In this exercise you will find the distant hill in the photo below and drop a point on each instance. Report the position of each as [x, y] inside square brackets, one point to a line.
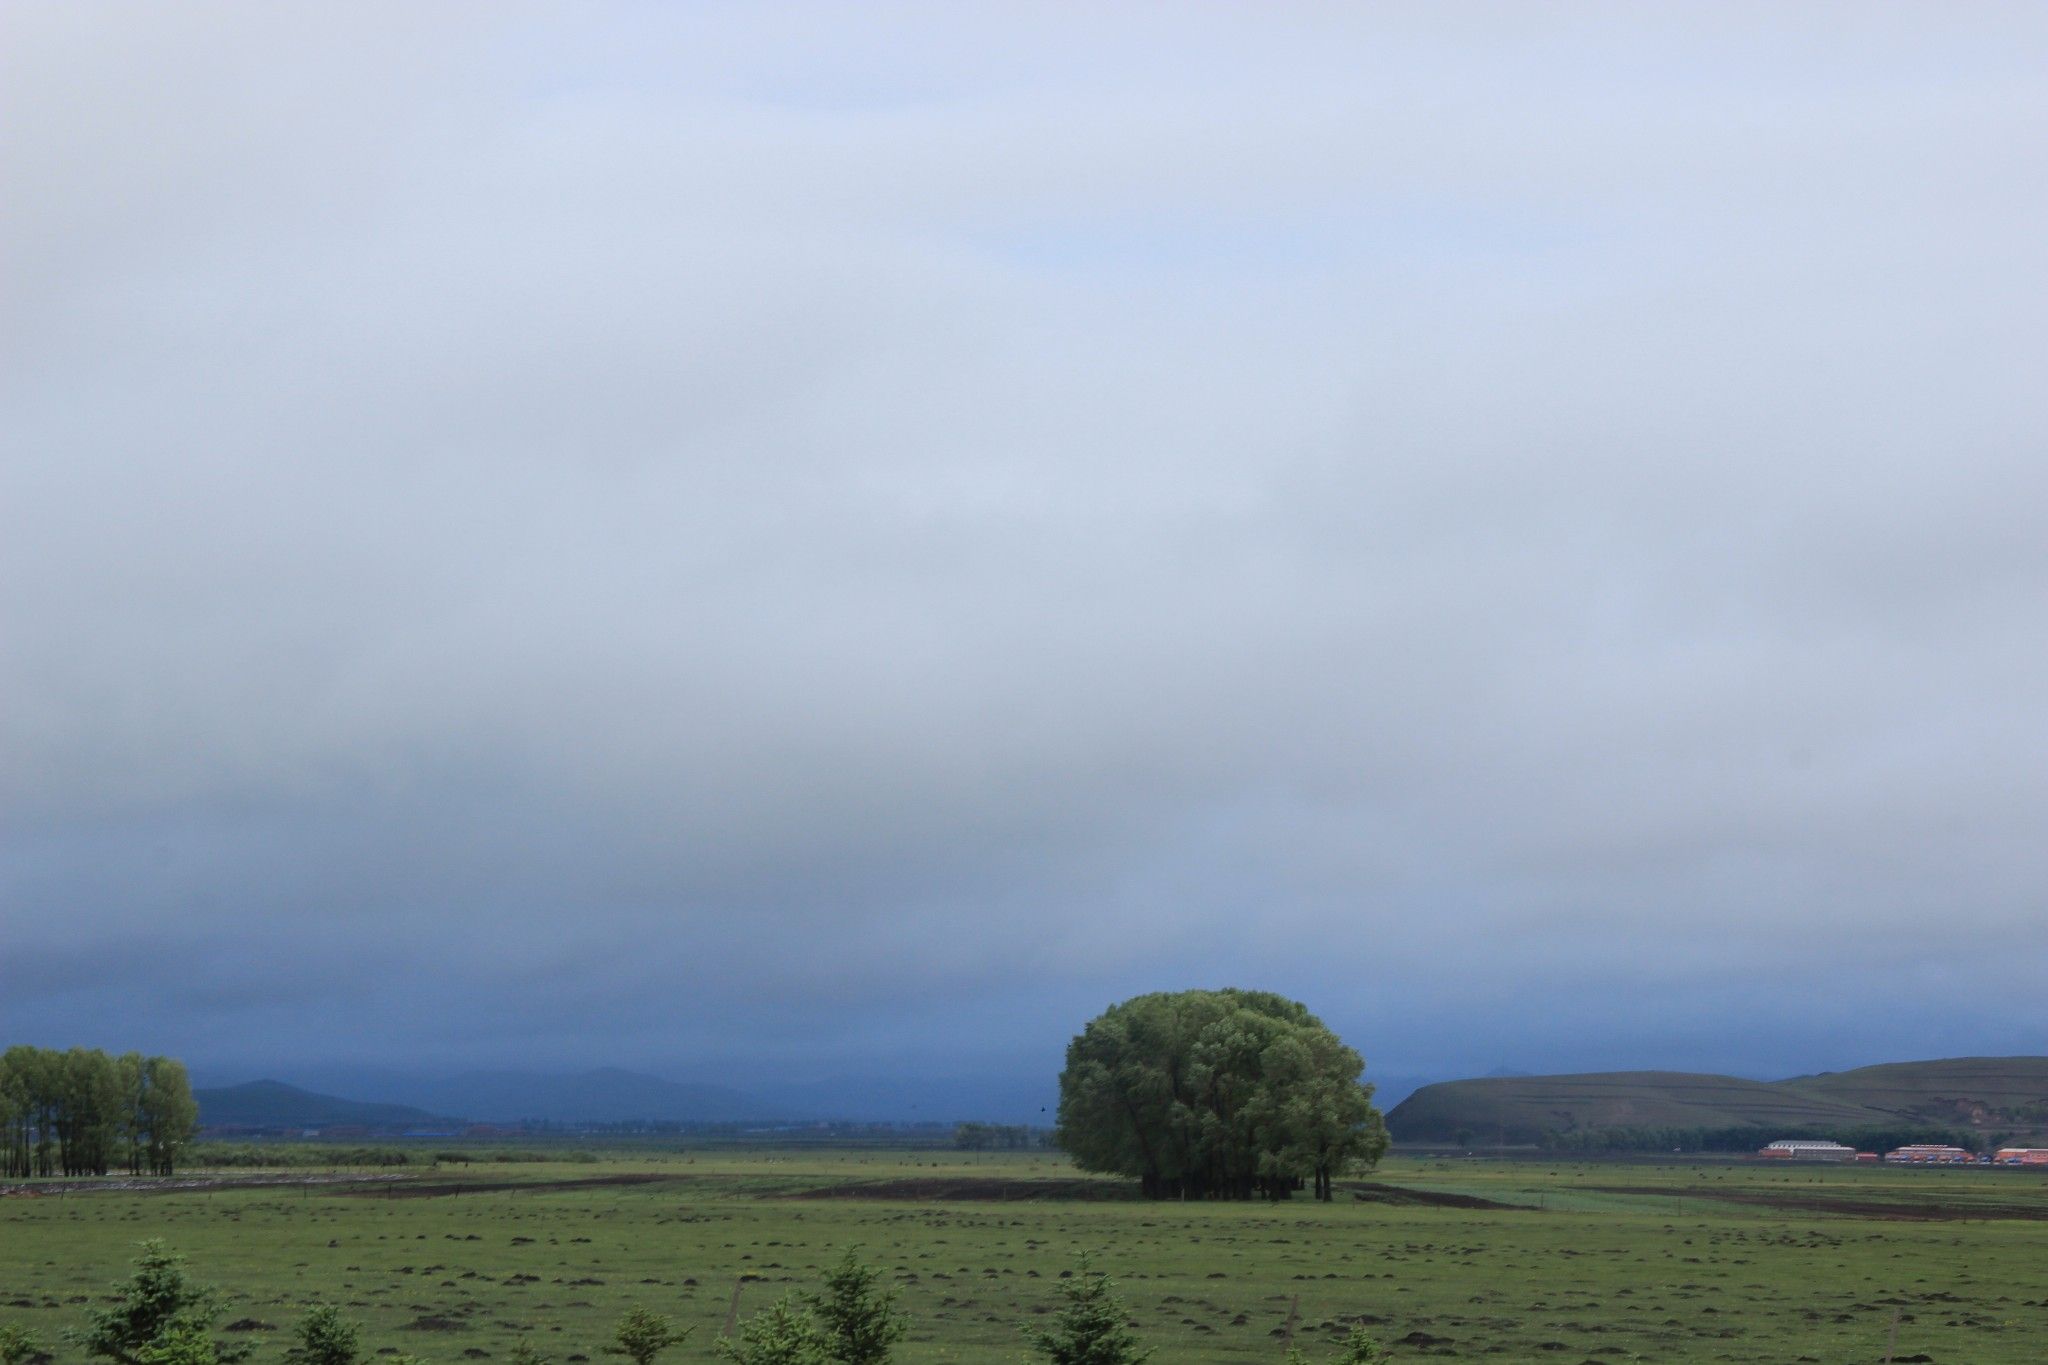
[1977, 1092]
[1390, 1088]
[273, 1104]
[1524, 1106]
[1984, 1094]
[995, 1097]
[607, 1095]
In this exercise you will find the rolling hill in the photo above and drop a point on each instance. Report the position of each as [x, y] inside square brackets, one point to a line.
[1523, 1106]
[275, 1105]
[604, 1095]
[1987, 1095]
[1979, 1092]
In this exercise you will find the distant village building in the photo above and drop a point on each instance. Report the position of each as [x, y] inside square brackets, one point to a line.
[1929, 1154]
[1790, 1149]
[2021, 1156]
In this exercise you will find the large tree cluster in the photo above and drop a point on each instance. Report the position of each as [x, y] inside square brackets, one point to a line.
[83, 1112]
[1222, 1094]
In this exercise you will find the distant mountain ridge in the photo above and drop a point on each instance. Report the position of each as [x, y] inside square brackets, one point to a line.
[603, 1095]
[616, 1095]
[275, 1105]
[1989, 1095]
[994, 1097]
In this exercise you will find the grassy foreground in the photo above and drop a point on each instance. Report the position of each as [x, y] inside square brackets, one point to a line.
[1598, 1262]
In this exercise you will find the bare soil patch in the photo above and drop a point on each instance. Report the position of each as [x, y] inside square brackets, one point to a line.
[386, 1185]
[971, 1188]
[995, 1189]
[1371, 1191]
[423, 1189]
[435, 1322]
[1854, 1208]
[185, 1184]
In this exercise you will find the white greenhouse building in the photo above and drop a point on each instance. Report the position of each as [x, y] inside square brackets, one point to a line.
[1792, 1150]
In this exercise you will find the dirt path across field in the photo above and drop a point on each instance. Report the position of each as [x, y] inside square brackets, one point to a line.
[1373, 1192]
[1853, 1208]
[973, 1189]
[389, 1184]
[969, 1188]
[186, 1184]
[916, 1189]
[421, 1189]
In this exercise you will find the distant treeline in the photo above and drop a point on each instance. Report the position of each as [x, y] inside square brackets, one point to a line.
[992, 1137]
[83, 1112]
[732, 1131]
[1747, 1138]
[326, 1155]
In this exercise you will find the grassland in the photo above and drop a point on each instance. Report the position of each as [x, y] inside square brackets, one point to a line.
[1514, 1261]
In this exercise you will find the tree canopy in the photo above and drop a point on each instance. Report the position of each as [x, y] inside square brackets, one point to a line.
[81, 1112]
[1217, 1094]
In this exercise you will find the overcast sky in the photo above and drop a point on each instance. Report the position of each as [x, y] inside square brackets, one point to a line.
[748, 540]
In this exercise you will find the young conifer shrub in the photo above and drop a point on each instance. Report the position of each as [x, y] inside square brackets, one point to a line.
[783, 1333]
[324, 1337]
[158, 1318]
[858, 1317]
[642, 1335]
[1357, 1348]
[18, 1345]
[1094, 1327]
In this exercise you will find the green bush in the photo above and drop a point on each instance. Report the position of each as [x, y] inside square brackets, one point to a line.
[324, 1337]
[784, 1333]
[18, 1345]
[158, 1317]
[642, 1335]
[1093, 1328]
[858, 1318]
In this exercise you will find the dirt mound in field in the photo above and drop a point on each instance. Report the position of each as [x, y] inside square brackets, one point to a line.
[435, 1322]
[978, 1188]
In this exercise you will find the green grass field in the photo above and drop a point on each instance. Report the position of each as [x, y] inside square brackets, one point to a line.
[1607, 1262]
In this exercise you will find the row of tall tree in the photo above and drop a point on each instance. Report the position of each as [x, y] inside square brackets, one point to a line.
[84, 1112]
[1224, 1094]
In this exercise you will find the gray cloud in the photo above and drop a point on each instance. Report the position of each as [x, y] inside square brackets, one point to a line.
[681, 533]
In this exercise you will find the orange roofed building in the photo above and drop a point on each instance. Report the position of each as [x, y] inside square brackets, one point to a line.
[2022, 1156]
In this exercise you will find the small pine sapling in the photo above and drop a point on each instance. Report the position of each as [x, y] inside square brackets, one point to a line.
[783, 1333]
[1093, 1328]
[157, 1310]
[642, 1335]
[324, 1337]
[19, 1346]
[1357, 1348]
[858, 1317]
